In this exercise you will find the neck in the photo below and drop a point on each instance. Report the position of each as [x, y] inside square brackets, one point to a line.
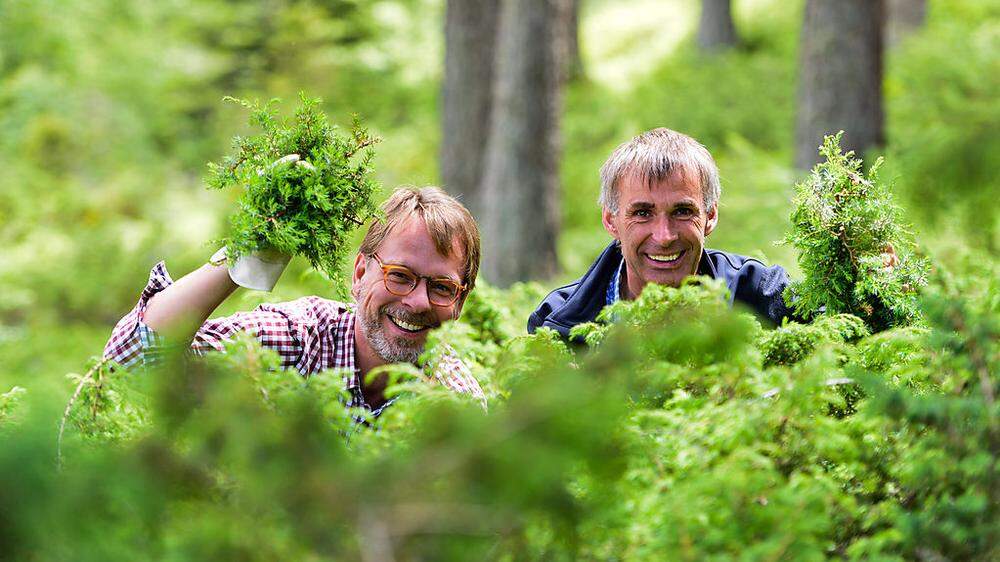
[625, 289]
[366, 360]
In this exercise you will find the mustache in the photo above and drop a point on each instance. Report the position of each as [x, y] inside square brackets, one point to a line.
[425, 319]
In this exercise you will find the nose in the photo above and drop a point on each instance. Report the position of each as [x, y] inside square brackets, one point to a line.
[417, 299]
[663, 232]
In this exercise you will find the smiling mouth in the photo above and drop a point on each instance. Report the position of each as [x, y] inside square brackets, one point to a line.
[666, 259]
[407, 326]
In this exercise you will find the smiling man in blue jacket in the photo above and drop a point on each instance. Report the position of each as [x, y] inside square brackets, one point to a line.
[660, 199]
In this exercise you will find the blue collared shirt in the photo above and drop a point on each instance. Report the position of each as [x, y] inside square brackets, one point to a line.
[614, 288]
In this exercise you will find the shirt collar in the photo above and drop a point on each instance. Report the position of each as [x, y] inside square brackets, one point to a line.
[615, 287]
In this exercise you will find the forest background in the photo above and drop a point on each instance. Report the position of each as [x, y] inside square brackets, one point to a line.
[109, 111]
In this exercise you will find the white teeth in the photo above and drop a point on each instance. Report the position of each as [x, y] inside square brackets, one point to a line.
[671, 257]
[406, 325]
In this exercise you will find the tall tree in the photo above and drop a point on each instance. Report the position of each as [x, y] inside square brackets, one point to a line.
[715, 27]
[520, 182]
[570, 13]
[902, 18]
[840, 76]
[467, 96]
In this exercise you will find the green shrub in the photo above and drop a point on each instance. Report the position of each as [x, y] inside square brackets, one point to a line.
[843, 222]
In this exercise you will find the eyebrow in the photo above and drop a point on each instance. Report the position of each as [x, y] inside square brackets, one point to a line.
[411, 270]
[640, 205]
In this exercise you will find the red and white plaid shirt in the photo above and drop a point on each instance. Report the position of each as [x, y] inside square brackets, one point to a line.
[310, 334]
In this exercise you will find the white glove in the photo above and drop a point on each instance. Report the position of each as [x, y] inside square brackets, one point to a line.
[259, 271]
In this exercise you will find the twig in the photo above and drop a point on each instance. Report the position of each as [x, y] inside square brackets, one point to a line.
[69, 407]
[362, 144]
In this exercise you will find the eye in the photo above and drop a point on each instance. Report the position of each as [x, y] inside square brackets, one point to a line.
[399, 276]
[642, 213]
[684, 212]
[444, 288]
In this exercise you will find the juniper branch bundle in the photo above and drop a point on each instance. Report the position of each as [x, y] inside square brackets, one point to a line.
[842, 223]
[306, 204]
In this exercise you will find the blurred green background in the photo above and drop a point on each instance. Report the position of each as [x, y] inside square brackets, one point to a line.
[110, 109]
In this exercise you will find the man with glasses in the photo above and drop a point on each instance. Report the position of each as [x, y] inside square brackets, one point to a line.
[413, 271]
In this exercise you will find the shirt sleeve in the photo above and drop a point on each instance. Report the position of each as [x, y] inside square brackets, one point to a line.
[287, 328]
[131, 337]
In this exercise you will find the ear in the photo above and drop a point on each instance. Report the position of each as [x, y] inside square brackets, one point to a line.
[360, 265]
[609, 225]
[712, 219]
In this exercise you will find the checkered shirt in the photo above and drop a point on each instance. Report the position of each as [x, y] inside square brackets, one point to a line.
[310, 334]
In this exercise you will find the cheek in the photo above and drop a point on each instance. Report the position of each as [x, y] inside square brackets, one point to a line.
[371, 298]
[633, 235]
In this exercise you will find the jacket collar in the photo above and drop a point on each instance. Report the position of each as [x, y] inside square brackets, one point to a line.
[591, 291]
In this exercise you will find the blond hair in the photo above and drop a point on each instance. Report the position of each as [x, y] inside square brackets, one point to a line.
[447, 220]
[654, 155]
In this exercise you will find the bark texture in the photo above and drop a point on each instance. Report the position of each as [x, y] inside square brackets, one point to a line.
[520, 183]
[716, 31]
[570, 13]
[903, 17]
[840, 77]
[470, 40]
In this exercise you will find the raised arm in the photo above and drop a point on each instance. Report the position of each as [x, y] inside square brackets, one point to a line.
[178, 311]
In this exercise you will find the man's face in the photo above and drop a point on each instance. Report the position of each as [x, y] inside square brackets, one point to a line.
[395, 327]
[662, 227]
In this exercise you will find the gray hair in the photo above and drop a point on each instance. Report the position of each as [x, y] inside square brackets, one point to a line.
[653, 156]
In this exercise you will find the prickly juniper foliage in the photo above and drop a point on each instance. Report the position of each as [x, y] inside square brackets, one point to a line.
[842, 223]
[306, 204]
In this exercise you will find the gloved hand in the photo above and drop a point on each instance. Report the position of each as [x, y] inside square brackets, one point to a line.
[261, 270]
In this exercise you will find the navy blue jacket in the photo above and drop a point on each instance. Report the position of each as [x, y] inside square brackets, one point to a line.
[749, 281]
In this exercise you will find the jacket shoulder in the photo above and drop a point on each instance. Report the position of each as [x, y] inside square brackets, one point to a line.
[754, 283]
[554, 300]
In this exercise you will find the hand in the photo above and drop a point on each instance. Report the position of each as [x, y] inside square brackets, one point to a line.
[889, 258]
[259, 271]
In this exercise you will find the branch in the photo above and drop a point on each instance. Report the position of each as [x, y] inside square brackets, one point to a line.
[69, 407]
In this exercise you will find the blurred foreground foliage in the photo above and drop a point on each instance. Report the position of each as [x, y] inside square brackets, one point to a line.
[689, 432]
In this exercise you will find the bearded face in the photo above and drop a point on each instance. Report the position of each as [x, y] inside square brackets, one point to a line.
[395, 334]
[392, 326]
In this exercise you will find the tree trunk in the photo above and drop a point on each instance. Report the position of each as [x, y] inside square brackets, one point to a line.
[520, 183]
[467, 93]
[840, 77]
[570, 14]
[902, 18]
[716, 31]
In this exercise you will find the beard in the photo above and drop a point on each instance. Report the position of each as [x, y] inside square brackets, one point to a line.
[389, 348]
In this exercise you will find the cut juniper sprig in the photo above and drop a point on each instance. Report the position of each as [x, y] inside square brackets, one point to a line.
[842, 223]
[305, 184]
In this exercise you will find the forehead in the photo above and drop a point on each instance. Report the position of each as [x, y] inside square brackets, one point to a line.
[677, 185]
[410, 243]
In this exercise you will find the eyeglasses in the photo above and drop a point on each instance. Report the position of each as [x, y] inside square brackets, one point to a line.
[401, 281]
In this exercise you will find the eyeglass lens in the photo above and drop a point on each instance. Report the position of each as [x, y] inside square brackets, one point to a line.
[401, 281]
